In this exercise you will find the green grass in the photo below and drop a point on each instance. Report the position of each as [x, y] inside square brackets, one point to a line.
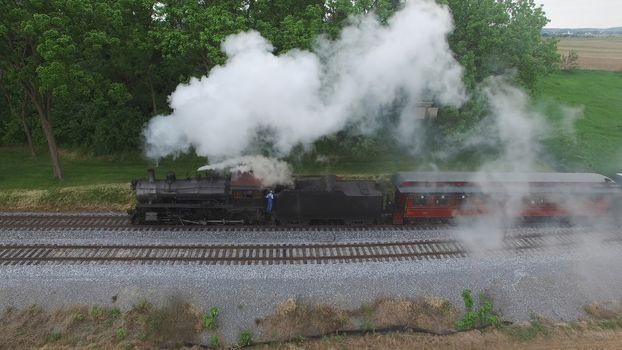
[19, 171]
[371, 166]
[597, 144]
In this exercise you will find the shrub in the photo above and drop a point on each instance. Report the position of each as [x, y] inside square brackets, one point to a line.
[114, 313]
[142, 305]
[245, 338]
[525, 333]
[483, 317]
[214, 340]
[98, 312]
[54, 336]
[122, 332]
[209, 319]
[569, 61]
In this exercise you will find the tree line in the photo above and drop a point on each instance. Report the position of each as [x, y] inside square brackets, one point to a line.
[89, 74]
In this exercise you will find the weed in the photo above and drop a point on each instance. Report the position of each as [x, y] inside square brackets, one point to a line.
[368, 315]
[300, 339]
[475, 319]
[114, 313]
[468, 299]
[122, 332]
[34, 310]
[600, 312]
[214, 341]
[54, 336]
[209, 319]
[615, 323]
[97, 312]
[446, 308]
[525, 333]
[142, 305]
[245, 338]
[154, 323]
[343, 320]
[336, 337]
[79, 317]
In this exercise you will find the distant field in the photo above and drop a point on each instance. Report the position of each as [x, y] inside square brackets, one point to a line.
[597, 144]
[595, 53]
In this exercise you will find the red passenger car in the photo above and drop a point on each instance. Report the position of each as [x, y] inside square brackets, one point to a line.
[423, 196]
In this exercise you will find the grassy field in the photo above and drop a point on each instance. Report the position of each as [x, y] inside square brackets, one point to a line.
[19, 170]
[91, 183]
[595, 53]
[597, 144]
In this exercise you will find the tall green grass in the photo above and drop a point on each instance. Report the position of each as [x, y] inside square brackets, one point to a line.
[597, 142]
[19, 171]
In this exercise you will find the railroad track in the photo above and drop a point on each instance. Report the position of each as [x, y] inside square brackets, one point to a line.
[47, 221]
[261, 254]
[63, 221]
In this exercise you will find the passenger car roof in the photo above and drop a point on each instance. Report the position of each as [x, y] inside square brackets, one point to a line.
[472, 177]
[464, 182]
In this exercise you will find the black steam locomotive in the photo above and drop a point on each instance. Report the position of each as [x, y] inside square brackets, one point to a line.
[240, 198]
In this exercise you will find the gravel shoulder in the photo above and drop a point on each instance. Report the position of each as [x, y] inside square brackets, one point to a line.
[555, 285]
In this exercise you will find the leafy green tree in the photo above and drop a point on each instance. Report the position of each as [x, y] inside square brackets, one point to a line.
[16, 115]
[496, 37]
[492, 37]
[32, 43]
[189, 33]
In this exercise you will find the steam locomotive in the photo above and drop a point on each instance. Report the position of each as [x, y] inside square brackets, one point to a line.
[411, 197]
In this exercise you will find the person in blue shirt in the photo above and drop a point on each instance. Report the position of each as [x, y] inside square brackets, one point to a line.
[270, 198]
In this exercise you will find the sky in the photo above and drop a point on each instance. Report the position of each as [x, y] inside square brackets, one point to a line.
[583, 13]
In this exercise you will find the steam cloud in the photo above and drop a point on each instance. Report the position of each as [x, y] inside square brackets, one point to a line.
[270, 171]
[516, 129]
[258, 98]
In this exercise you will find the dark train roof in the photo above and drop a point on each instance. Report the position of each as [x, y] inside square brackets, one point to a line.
[471, 181]
[330, 183]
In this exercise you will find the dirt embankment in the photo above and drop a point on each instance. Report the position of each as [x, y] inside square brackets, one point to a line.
[97, 327]
[111, 197]
[384, 324]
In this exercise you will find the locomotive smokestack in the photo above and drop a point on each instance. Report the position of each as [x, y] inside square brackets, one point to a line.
[151, 175]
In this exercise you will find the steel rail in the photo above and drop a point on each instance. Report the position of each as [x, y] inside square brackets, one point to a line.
[231, 254]
[106, 221]
[248, 254]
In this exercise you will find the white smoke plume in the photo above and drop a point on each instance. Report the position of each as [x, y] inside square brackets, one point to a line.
[270, 171]
[300, 96]
[517, 129]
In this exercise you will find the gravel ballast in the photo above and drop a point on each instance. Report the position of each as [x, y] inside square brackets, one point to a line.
[556, 284]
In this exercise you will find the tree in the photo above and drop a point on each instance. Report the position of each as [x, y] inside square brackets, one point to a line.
[569, 61]
[492, 37]
[189, 33]
[26, 31]
[17, 103]
[496, 37]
